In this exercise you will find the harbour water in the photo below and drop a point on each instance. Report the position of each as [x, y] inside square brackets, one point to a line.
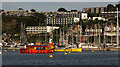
[84, 58]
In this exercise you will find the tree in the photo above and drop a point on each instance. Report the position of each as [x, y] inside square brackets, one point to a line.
[110, 7]
[27, 11]
[9, 27]
[61, 10]
[33, 10]
[73, 10]
[40, 17]
[20, 9]
[118, 5]
[93, 15]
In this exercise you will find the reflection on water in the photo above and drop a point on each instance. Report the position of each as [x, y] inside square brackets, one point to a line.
[84, 58]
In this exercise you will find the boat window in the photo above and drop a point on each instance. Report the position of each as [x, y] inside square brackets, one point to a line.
[30, 47]
[40, 48]
[23, 50]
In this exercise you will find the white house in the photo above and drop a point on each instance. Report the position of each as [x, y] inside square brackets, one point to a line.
[84, 16]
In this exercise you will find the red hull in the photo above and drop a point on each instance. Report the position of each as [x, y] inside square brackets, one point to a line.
[30, 51]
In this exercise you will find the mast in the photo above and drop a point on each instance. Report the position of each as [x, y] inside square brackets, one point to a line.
[95, 34]
[51, 35]
[72, 36]
[77, 35]
[21, 34]
[117, 28]
[81, 36]
[21, 37]
[24, 34]
[63, 34]
[45, 34]
[39, 31]
[60, 37]
[104, 36]
[111, 34]
[99, 35]
[66, 34]
[88, 34]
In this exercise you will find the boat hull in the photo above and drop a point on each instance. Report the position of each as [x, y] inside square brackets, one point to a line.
[30, 51]
[69, 50]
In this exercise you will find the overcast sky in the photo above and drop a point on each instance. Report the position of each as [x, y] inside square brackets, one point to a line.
[52, 6]
[59, 0]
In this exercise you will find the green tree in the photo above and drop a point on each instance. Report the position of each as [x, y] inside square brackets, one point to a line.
[20, 9]
[110, 7]
[27, 11]
[40, 17]
[93, 15]
[61, 10]
[73, 10]
[33, 10]
[118, 5]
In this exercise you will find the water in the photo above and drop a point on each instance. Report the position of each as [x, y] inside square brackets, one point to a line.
[83, 58]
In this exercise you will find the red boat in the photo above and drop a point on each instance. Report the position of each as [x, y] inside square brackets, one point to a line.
[38, 49]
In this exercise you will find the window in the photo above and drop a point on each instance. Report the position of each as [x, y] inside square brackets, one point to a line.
[99, 10]
[94, 10]
[40, 48]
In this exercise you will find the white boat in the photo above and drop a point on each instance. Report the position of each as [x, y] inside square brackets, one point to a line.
[88, 46]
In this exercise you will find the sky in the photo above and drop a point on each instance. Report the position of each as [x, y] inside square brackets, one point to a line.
[52, 6]
[59, 0]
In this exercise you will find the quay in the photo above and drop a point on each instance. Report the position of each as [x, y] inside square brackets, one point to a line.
[103, 49]
[10, 48]
[67, 50]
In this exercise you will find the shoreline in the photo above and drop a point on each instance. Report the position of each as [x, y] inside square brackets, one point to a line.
[83, 49]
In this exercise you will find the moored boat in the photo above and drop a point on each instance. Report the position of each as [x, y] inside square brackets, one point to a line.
[38, 49]
[68, 49]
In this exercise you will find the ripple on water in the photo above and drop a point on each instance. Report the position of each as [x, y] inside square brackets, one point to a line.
[74, 58]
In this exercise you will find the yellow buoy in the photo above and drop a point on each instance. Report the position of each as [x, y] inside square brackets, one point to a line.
[13, 50]
[0, 52]
[50, 55]
[5, 50]
[69, 52]
[93, 51]
[65, 53]
[98, 49]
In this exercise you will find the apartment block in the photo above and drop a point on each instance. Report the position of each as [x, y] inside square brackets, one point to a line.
[95, 9]
[40, 29]
[64, 17]
[109, 15]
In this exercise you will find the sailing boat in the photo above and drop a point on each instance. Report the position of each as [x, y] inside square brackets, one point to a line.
[69, 48]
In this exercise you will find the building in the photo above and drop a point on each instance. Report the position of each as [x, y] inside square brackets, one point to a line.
[41, 29]
[110, 31]
[99, 18]
[92, 33]
[95, 9]
[64, 17]
[109, 15]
